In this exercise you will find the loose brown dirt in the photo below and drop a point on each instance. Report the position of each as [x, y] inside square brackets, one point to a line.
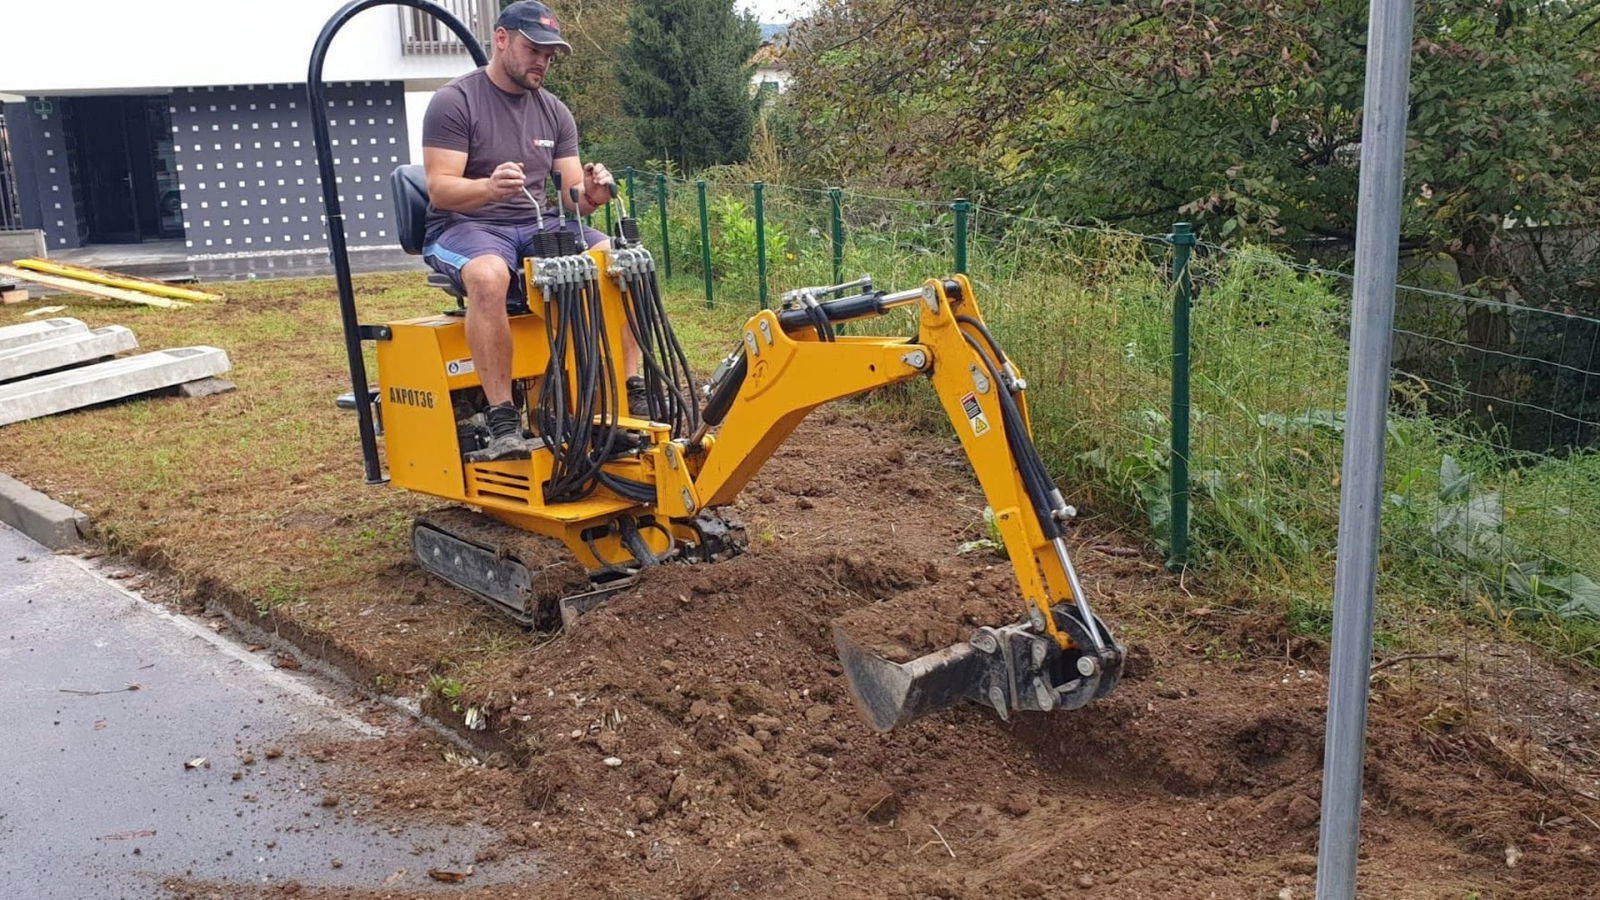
[744, 769]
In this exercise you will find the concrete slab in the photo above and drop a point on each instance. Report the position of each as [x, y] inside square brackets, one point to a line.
[103, 382]
[205, 387]
[42, 330]
[51, 523]
[21, 244]
[71, 349]
[169, 261]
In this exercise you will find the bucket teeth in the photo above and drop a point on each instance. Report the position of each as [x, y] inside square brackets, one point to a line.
[1010, 668]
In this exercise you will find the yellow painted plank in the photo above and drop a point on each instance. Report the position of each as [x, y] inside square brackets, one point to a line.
[94, 290]
[115, 279]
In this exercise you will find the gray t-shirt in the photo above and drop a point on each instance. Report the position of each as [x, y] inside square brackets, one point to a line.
[473, 116]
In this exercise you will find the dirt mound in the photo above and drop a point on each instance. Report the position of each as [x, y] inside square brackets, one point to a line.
[695, 738]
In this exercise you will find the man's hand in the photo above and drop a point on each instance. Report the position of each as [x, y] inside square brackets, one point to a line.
[598, 184]
[506, 181]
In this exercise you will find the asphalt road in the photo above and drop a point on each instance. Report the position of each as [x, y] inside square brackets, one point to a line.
[95, 797]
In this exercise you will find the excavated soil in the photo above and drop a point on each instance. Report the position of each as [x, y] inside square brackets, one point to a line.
[694, 737]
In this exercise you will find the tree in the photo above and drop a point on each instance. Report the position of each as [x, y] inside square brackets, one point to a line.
[1242, 114]
[685, 78]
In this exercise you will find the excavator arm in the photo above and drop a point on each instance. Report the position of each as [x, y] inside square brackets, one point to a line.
[793, 360]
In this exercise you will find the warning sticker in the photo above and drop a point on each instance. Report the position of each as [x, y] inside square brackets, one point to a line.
[459, 366]
[975, 416]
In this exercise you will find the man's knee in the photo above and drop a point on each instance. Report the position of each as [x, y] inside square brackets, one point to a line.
[486, 279]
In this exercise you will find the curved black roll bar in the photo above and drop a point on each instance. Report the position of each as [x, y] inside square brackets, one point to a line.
[354, 332]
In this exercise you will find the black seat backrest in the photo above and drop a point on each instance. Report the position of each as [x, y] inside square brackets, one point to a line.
[410, 188]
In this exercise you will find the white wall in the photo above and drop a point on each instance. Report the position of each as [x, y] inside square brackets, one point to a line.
[416, 105]
[95, 46]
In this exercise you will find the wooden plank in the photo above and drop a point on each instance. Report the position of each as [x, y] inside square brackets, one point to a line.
[94, 290]
[114, 279]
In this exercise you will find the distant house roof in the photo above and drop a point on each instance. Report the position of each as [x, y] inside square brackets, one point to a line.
[768, 55]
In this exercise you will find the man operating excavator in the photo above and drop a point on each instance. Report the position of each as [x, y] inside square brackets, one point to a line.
[489, 140]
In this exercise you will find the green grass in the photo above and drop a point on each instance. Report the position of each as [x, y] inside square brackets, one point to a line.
[1088, 317]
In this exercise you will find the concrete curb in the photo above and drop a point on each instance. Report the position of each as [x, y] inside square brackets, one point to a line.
[55, 525]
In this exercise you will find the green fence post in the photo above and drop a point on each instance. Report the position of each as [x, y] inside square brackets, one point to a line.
[666, 243]
[632, 201]
[962, 206]
[705, 241]
[836, 209]
[609, 229]
[1182, 239]
[761, 241]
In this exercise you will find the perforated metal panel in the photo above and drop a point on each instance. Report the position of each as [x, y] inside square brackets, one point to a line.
[247, 164]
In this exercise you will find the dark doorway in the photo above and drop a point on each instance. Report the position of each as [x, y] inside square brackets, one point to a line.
[125, 172]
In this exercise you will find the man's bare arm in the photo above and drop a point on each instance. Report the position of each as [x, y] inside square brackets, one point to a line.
[448, 188]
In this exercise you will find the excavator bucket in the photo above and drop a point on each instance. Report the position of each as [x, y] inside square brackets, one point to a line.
[1009, 668]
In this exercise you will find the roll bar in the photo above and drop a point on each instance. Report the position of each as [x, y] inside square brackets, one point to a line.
[354, 332]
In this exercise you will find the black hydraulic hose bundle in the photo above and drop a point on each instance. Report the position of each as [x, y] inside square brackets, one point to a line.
[577, 409]
[1035, 477]
[669, 383]
[567, 412]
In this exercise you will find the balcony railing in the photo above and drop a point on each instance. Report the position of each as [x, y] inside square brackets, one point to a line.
[10, 209]
[422, 34]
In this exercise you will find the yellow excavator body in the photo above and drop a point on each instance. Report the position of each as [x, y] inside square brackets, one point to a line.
[615, 493]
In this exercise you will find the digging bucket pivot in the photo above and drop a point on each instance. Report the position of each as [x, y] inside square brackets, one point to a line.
[1010, 668]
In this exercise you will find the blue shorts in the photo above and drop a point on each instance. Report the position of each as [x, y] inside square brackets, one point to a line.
[461, 242]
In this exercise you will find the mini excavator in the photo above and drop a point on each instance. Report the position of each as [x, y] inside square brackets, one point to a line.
[606, 495]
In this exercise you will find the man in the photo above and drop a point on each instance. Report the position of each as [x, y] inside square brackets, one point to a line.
[489, 138]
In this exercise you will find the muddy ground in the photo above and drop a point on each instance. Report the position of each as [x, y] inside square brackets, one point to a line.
[740, 767]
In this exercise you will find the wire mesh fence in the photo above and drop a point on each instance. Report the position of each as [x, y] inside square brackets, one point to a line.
[1492, 476]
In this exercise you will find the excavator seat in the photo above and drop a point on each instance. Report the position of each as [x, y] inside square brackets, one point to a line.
[410, 188]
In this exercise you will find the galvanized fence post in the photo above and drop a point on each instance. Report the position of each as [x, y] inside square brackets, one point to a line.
[1182, 239]
[962, 206]
[1379, 201]
[666, 242]
[836, 220]
[705, 241]
[761, 240]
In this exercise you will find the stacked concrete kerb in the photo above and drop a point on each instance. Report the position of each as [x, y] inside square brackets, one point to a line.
[50, 522]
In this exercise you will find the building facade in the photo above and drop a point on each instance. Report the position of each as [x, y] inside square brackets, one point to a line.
[212, 146]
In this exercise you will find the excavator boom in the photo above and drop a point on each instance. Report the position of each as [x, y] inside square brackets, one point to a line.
[793, 360]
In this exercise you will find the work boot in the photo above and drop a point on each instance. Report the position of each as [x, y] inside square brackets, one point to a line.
[638, 399]
[505, 436]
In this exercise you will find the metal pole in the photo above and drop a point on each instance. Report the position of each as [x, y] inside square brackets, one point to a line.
[835, 202]
[761, 241]
[705, 242]
[633, 199]
[666, 242]
[961, 206]
[1383, 136]
[354, 331]
[1182, 238]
